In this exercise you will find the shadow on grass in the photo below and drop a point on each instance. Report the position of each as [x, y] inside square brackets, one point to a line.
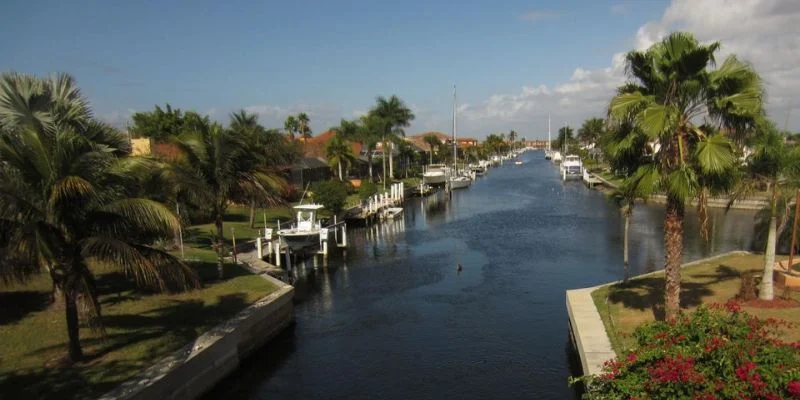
[648, 293]
[177, 323]
[17, 305]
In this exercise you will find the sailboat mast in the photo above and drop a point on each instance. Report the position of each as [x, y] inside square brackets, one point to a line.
[455, 149]
[548, 132]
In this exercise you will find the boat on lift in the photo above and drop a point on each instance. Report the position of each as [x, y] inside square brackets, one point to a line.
[305, 232]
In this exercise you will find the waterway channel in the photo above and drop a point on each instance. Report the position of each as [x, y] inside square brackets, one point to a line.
[395, 319]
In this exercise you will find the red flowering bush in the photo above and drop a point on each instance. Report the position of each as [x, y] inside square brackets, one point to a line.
[718, 352]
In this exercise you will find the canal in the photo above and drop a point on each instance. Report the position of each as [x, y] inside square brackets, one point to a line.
[395, 319]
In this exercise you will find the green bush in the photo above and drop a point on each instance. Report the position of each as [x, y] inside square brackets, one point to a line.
[331, 194]
[712, 353]
[367, 189]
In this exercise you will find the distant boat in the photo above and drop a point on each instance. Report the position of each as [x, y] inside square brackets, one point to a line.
[307, 229]
[518, 162]
[556, 157]
[571, 168]
[460, 182]
[435, 174]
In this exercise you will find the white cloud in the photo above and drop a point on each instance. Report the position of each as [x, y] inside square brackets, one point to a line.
[765, 33]
[618, 9]
[536, 16]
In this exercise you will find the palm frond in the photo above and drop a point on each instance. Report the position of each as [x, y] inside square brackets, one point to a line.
[714, 154]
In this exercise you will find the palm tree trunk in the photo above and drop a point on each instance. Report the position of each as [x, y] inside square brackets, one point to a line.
[765, 292]
[252, 214]
[220, 243]
[673, 249]
[340, 172]
[73, 324]
[383, 161]
[625, 244]
[431, 156]
[391, 161]
[370, 167]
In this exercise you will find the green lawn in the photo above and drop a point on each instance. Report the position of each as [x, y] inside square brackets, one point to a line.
[624, 307]
[141, 328]
[237, 220]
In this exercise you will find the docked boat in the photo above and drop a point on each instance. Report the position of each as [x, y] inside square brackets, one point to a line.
[556, 157]
[518, 162]
[478, 170]
[571, 168]
[305, 232]
[457, 181]
[436, 174]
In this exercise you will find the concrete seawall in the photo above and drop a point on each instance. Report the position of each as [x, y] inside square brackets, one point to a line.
[194, 369]
[586, 328]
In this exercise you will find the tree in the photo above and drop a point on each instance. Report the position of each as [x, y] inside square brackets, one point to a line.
[271, 150]
[291, 126]
[69, 201]
[369, 133]
[216, 166]
[433, 143]
[406, 153]
[512, 137]
[396, 116]
[672, 86]
[776, 166]
[495, 144]
[158, 124]
[339, 154]
[591, 130]
[303, 126]
[565, 137]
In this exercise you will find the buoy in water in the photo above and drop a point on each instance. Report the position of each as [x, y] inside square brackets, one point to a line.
[460, 267]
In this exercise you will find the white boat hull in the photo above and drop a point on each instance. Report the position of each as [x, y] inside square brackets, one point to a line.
[460, 183]
[434, 178]
[300, 240]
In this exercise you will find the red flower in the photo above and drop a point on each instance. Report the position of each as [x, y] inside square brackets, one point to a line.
[733, 306]
[794, 389]
[632, 357]
[743, 371]
[676, 369]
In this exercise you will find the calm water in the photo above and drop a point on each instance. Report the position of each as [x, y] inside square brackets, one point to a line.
[396, 320]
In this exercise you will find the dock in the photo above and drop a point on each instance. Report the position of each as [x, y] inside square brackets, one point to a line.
[590, 179]
[375, 206]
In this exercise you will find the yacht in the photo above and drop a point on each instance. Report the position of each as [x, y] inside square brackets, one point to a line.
[436, 174]
[571, 168]
[556, 158]
[307, 229]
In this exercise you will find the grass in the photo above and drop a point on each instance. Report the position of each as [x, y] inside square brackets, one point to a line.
[623, 307]
[238, 219]
[141, 328]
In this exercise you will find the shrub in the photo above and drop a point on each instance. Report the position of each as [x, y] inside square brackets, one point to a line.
[331, 194]
[366, 190]
[712, 353]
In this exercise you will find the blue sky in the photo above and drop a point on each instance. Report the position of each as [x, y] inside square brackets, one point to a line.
[327, 58]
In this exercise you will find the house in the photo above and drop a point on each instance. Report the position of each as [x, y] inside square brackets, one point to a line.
[309, 170]
[464, 143]
[140, 147]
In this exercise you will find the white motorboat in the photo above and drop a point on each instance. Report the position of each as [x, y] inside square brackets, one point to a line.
[556, 157]
[571, 168]
[306, 231]
[518, 162]
[436, 174]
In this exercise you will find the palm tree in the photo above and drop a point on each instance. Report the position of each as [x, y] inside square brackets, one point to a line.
[591, 130]
[407, 154]
[512, 137]
[672, 86]
[625, 198]
[339, 154]
[216, 166]
[271, 152]
[433, 143]
[69, 201]
[303, 126]
[564, 138]
[397, 116]
[776, 166]
[370, 130]
[291, 126]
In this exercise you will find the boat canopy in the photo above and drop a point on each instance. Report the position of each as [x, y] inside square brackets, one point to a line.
[309, 207]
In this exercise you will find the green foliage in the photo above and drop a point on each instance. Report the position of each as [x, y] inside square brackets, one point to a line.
[565, 137]
[331, 194]
[495, 144]
[713, 353]
[366, 190]
[163, 124]
[591, 130]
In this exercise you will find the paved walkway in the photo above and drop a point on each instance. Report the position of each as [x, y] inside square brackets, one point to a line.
[588, 331]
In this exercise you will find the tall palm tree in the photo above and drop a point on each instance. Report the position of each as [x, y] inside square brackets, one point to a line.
[776, 166]
[406, 153]
[397, 116]
[370, 130]
[591, 130]
[69, 201]
[433, 143]
[216, 166]
[291, 126]
[512, 137]
[303, 126]
[270, 153]
[672, 85]
[339, 154]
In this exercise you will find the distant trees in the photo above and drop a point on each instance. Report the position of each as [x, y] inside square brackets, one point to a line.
[339, 154]
[290, 127]
[396, 116]
[496, 144]
[591, 130]
[433, 143]
[564, 138]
